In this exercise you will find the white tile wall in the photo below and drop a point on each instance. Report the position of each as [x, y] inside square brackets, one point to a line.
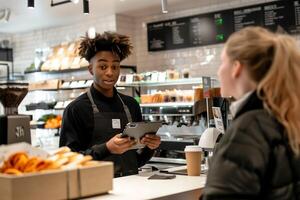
[125, 25]
[24, 44]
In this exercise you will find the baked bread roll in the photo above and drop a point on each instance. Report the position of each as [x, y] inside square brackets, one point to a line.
[19, 162]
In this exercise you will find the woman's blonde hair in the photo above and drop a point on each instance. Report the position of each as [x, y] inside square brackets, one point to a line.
[273, 62]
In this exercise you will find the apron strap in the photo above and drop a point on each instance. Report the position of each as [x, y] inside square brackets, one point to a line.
[128, 115]
[89, 94]
[96, 110]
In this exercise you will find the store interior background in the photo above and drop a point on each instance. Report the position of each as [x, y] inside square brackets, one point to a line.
[200, 60]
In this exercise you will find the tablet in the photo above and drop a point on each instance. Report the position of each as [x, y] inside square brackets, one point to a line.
[137, 130]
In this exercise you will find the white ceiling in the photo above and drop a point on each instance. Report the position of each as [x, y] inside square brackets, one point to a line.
[44, 16]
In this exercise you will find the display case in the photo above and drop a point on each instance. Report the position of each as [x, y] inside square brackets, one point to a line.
[178, 102]
[49, 94]
[183, 107]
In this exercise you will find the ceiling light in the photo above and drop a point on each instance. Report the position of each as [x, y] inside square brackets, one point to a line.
[57, 3]
[30, 3]
[92, 32]
[164, 6]
[86, 9]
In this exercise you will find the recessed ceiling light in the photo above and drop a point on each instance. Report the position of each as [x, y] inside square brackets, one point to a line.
[86, 7]
[75, 1]
[92, 32]
[164, 6]
[30, 3]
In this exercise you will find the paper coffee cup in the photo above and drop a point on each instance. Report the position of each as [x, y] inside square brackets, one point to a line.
[193, 155]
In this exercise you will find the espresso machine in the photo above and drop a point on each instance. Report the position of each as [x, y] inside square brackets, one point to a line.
[14, 128]
[184, 124]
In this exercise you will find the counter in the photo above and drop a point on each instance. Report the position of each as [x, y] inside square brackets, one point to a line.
[138, 187]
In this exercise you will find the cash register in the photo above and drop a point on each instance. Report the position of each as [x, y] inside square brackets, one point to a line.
[14, 128]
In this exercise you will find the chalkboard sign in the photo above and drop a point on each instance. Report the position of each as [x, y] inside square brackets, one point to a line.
[216, 27]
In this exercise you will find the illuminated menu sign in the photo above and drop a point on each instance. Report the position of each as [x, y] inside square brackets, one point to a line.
[278, 16]
[216, 27]
[295, 16]
[209, 29]
[251, 16]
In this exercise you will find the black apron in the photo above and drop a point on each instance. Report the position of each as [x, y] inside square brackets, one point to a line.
[126, 163]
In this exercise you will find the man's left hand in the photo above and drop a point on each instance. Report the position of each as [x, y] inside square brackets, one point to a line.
[151, 141]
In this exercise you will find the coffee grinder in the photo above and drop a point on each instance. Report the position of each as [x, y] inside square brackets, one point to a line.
[14, 128]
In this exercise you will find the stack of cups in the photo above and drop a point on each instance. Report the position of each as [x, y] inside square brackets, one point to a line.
[193, 155]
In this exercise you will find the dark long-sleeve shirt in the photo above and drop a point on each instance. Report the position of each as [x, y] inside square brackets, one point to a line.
[78, 124]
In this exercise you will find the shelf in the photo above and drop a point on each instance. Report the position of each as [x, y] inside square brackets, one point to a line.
[37, 127]
[45, 109]
[57, 71]
[40, 125]
[73, 70]
[189, 81]
[168, 109]
[168, 115]
[58, 89]
[168, 104]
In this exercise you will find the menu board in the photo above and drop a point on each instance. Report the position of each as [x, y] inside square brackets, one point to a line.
[209, 29]
[250, 16]
[295, 16]
[216, 27]
[157, 36]
[178, 33]
[277, 16]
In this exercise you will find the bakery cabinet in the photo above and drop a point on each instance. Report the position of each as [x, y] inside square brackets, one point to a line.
[183, 104]
[49, 94]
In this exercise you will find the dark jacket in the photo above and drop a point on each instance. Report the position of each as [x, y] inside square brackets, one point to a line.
[253, 160]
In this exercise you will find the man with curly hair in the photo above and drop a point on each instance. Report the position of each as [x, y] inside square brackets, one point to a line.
[92, 122]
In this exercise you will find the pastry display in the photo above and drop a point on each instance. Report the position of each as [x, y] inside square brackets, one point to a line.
[51, 120]
[42, 85]
[153, 76]
[168, 96]
[83, 62]
[64, 56]
[76, 63]
[20, 162]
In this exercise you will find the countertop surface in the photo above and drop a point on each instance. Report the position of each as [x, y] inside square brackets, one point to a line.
[140, 187]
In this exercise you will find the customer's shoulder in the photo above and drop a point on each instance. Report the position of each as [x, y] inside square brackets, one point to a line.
[256, 117]
[256, 121]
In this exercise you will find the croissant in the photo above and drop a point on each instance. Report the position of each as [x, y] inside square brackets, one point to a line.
[19, 163]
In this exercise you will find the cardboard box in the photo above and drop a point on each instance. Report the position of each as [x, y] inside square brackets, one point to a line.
[88, 181]
[58, 184]
[45, 186]
[54, 184]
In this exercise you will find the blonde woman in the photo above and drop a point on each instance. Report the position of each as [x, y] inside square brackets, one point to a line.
[258, 157]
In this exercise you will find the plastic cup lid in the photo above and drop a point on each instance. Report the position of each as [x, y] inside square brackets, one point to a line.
[193, 148]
